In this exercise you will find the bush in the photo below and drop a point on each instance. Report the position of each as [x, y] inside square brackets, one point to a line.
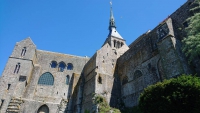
[104, 106]
[191, 44]
[177, 95]
[134, 109]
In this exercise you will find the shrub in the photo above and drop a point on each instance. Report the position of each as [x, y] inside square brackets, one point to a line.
[177, 95]
[103, 105]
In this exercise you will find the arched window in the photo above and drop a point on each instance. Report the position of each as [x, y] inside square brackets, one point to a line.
[61, 66]
[137, 74]
[69, 66]
[53, 64]
[43, 109]
[99, 80]
[17, 67]
[23, 51]
[67, 79]
[125, 80]
[46, 79]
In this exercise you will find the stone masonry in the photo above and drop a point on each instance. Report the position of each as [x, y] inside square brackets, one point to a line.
[38, 81]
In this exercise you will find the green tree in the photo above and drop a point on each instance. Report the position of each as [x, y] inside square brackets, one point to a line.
[177, 95]
[191, 46]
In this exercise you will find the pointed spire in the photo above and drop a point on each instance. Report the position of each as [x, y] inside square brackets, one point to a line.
[112, 27]
[112, 20]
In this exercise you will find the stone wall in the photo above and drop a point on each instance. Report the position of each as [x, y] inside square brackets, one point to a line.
[33, 63]
[156, 54]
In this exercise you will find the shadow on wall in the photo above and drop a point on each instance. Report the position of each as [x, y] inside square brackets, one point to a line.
[115, 100]
[75, 94]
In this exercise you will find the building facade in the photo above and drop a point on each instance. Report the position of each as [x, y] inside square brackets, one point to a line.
[37, 81]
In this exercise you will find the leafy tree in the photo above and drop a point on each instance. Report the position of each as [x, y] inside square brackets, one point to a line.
[177, 95]
[191, 45]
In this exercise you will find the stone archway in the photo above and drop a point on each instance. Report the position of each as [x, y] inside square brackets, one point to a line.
[43, 109]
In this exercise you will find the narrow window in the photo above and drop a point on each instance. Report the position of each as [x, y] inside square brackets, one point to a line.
[17, 67]
[8, 86]
[67, 79]
[23, 51]
[99, 80]
[114, 43]
[2, 101]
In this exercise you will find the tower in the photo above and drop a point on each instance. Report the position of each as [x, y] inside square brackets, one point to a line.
[99, 72]
[17, 73]
[114, 39]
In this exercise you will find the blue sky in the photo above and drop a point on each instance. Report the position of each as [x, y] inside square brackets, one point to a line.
[77, 27]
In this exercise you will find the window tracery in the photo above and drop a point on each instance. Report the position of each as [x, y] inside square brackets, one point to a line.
[46, 79]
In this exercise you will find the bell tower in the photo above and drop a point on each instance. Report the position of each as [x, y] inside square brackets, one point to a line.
[114, 39]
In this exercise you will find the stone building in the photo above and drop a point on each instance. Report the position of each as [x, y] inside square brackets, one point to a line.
[37, 81]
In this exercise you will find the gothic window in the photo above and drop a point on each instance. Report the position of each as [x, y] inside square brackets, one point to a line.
[23, 51]
[17, 67]
[46, 79]
[125, 80]
[53, 64]
[43, 109]
[61, 66]
[67, 79]
[99, 80]
[137, 74]
[69, 66]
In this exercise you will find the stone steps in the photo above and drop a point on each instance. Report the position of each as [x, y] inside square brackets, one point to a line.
[14, 105]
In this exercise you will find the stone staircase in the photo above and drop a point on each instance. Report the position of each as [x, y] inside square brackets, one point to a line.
[14, 105]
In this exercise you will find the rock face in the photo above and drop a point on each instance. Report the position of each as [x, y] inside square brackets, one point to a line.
[37, 81]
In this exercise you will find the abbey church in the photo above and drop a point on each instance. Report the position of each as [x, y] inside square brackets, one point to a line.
[38, 81]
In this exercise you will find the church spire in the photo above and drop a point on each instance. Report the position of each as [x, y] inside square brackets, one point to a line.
[112, 20]
[112, 27]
